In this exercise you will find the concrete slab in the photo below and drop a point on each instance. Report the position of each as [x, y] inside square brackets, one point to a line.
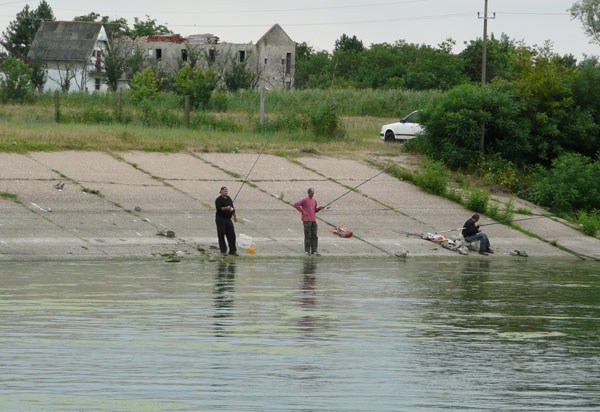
[93, 167]
[175, 166]
[17, 166]
[267, 167]
[177, 192]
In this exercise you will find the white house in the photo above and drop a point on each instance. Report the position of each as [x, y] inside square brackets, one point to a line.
[73, 54]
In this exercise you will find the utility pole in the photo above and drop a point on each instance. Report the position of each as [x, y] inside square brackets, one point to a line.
[484, 64]
[484, 48]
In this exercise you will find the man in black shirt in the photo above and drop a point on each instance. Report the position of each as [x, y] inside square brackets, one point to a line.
[472, 233]
[225, 228]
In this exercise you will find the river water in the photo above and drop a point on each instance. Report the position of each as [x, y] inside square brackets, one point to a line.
[301, 335]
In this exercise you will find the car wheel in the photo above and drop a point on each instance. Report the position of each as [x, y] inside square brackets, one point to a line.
[389, 136]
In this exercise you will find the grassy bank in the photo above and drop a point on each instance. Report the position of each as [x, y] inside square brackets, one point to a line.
[102, 122]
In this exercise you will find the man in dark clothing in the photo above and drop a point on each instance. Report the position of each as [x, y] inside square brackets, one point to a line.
[225, 228]
[472, 233]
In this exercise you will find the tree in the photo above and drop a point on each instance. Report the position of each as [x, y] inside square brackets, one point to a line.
[197, 84]
[114, 28]
[498, 53]
[16, 87]
[147, 28]
[313, 69]
[19, 35]
[588, 13]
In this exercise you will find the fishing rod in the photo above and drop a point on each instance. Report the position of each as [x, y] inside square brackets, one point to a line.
[248, 175]
[358, 185]
[498, 223]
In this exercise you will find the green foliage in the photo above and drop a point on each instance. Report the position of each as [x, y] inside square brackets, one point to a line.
[499, 55]
[147, 27]
[433, 177]
[478, 200]
[590, 222]
[197, 84]
[219, 102]
[325, 121]
[505, 215]
[587, 11]
[16, 87]
[20, 32]
[207, 122]
[454, 125]
[239, 76]
[571, 184]
[144, 85]
[498, 171]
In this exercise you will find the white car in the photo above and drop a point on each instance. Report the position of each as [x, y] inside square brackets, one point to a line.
[407, 128]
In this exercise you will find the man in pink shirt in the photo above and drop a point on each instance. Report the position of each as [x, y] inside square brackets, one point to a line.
[308, 208]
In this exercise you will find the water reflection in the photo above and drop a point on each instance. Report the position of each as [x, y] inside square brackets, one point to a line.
[223, 297]
[308, 295]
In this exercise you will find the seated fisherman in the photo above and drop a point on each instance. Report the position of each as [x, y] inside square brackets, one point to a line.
[472, 233]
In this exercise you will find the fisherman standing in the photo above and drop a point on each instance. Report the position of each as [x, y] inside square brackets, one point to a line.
[472, 232]
[225, 228]
[308, 209]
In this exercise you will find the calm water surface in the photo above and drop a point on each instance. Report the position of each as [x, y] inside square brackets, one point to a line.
[301, 335]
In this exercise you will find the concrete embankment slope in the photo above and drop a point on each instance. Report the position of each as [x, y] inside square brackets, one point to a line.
[116, 206]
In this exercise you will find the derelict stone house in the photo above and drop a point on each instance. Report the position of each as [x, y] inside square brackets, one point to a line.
[73, 54]
[272, 59]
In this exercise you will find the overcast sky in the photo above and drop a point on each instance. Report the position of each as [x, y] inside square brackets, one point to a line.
[320, 22]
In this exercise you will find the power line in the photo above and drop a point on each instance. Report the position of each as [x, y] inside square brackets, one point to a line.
[330, 23]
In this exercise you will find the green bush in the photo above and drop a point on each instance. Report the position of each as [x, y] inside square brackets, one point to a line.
[219, 102]
[570, 185]
[433, 177]
[325, 121]
[144, 86]
[505, 215]
[16, 86]
[478, 200]
[590, 222]
[454, 126]
[197, 84]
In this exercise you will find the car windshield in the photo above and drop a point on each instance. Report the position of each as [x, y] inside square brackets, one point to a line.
[412, 118]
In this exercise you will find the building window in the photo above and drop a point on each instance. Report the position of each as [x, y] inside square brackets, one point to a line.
[184, 55]
[242, 56]
[288, 63]
[211, 55]
[98, 83]
[158, 54]
[98, 61]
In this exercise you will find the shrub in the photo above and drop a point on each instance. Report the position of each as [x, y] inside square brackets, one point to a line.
[503, 216]
[16, 87]
[478, 200]
[325, 121]
[197, 84]
[454, 126]
[219, 102]
[433, 177]
[571, 184]
[590, 222]
[144, 85]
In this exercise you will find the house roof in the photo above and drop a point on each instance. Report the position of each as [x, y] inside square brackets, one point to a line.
[64, 40]
[276, 28]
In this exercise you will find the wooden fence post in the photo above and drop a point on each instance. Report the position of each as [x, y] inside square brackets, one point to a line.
[56, 106]
[120, 104]
[187, 111]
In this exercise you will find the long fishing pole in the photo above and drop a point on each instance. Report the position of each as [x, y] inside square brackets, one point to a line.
[499, 223]
[357, 186]
[248, 175]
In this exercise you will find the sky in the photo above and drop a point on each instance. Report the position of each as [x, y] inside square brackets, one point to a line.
[320, 23]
